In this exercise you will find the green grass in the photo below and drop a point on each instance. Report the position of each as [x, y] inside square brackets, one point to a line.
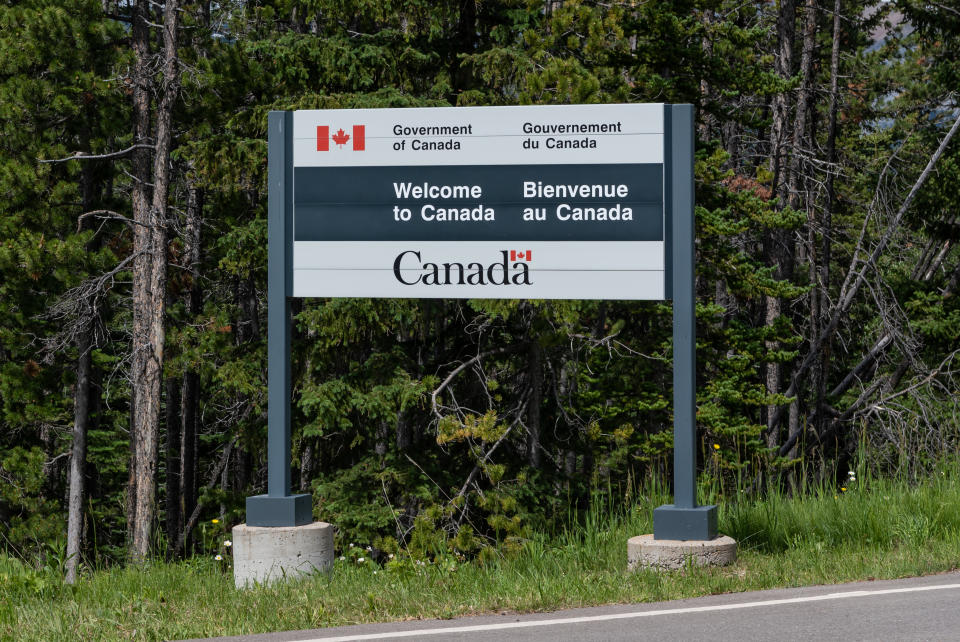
[879, 529]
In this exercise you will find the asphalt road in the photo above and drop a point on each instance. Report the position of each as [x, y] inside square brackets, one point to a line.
[925, 608]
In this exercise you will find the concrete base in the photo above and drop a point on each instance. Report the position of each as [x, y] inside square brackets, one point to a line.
[666, 554]
[266, 554]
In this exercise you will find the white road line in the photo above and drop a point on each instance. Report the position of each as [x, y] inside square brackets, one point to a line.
[624, 616]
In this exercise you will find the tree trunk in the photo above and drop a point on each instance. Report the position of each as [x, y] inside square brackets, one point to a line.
[797, 192]
[783, 65]
[778, 249]
[150, 275]
[140, 32]
[380, 440]
[81, 410]
[404, 437]
[190, 399]
[534, 455]
[827, 217]
[706, 120]
[804, 105]
[188, 446]
[78, 453]
[306, 467]
[174, 429]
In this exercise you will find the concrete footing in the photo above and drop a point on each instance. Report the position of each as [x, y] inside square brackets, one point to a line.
[665, 554]
[266, 554]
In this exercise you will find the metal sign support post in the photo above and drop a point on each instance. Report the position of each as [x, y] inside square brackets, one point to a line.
[278, 507]
[684, 519]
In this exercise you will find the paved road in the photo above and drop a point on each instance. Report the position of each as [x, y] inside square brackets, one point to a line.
[925, 608]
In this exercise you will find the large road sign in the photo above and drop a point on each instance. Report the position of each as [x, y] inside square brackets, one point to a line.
[558, 202]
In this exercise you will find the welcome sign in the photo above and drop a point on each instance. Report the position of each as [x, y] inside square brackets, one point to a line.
[559, 202]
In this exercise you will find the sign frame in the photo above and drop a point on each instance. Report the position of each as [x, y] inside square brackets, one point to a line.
[682, 520]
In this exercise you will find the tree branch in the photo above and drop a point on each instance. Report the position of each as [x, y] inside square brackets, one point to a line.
[852, 284]
[458, 370]
[195, 515]
[106, 215]
[83, 156]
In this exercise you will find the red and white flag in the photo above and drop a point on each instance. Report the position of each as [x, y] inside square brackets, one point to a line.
[521, 255]
[341, 138]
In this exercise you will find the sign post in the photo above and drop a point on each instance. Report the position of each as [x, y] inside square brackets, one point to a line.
[278, 507]
[684, 519]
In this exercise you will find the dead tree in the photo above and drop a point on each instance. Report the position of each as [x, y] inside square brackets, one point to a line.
[150, 267]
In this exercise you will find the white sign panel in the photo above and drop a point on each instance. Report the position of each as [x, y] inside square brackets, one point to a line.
[560, 202]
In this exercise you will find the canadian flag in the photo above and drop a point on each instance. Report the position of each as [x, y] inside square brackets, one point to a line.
[340, 138]
[521, 255]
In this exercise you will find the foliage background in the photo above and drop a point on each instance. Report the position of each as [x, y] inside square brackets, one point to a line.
[562, 403]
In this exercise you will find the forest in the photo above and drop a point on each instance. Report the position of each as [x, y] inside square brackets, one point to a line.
[133, 259]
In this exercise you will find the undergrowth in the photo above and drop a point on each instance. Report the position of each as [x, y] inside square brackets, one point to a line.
[870, 528]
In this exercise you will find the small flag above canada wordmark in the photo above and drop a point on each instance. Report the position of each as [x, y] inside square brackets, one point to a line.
[521, 255]
[341, 138]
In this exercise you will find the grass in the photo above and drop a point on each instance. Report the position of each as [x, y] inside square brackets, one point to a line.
[876, 529]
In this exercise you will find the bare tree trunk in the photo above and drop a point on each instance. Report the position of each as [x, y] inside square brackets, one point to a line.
[78, 453]
[778, 248]
[707, 121]
[535, 456]
[380, 442]
[149, 284]
[404, 437]
[243, 469]
[772, 371]
[783, 65]
[142, 83]
[306, 467]
[181, 542]
[172, 507]
[804, 105]
[190, 398]
[827, 222]
[81, 413]
[188, 445]
[803, 144]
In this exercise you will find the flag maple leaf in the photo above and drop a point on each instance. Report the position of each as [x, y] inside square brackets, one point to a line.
[341, 137]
